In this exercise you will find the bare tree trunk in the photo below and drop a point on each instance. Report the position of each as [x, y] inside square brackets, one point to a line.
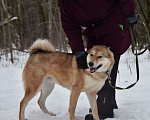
[9, 30]
[145, 15]
[50, 19]
[3, 27]
[42, 18]
[21, 24]
[148, 15]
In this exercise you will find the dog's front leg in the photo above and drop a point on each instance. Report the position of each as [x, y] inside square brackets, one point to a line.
[75, 92]
[92, 100]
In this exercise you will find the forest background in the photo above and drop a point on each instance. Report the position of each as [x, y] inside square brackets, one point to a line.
[23, 21]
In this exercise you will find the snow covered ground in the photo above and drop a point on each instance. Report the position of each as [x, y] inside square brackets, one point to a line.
[134, 104]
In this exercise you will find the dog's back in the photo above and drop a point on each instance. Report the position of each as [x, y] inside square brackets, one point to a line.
[45, 62]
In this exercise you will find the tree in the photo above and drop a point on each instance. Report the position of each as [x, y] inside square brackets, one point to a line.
[145, 15]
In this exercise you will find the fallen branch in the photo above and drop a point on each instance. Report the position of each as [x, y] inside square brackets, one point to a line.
[20, 50]
[8, 20]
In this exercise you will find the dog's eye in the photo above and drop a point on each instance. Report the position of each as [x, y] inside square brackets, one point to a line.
[99, 56]
[91, 55]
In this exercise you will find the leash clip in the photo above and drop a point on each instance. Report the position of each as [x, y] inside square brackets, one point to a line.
[108, 74]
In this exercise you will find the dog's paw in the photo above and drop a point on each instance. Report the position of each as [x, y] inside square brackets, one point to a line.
[52, 114]
[75, 119]
[25, 119]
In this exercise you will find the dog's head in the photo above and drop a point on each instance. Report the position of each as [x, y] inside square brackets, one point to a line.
[100, 59]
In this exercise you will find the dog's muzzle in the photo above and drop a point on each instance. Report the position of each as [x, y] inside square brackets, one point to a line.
[93, 69]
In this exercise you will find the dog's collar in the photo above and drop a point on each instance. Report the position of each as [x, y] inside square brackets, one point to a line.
[108, 72]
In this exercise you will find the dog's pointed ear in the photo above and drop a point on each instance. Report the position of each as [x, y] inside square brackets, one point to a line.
[108, 52]
[108, 49]
[88, 51]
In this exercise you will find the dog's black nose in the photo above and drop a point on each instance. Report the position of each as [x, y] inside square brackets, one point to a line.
[91, 64]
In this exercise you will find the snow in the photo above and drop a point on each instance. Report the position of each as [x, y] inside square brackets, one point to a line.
[134, 104]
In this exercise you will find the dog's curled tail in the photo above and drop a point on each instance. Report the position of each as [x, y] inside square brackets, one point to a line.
[41, 45]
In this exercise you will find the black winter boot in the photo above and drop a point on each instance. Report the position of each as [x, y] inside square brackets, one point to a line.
[101, 117]
[115, 107]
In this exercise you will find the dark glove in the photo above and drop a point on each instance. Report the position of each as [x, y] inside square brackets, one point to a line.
[81, 59]
[134, 19]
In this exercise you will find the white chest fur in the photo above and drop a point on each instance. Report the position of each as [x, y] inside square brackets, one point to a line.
[94, 81]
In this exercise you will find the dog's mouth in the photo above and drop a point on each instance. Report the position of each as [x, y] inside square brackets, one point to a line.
[92, 69]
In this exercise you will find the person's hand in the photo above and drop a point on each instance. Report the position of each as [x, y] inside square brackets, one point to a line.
[134, 19]
[81, 59]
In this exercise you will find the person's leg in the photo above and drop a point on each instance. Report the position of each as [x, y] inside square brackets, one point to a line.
[106, 96]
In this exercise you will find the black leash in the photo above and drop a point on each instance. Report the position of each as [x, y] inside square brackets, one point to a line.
[134, 51]
[130, 86]
[134, 43]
